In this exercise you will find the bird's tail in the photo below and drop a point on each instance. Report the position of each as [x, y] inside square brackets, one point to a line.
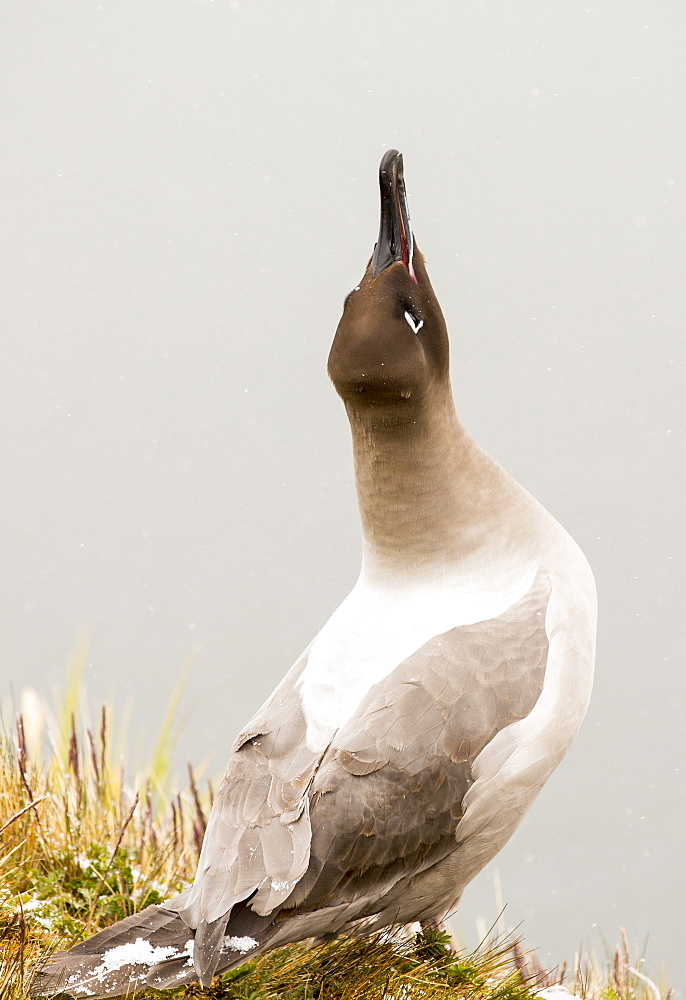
[152, 948]
[123, 958]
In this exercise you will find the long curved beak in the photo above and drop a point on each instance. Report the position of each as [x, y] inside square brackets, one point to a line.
[395, 242]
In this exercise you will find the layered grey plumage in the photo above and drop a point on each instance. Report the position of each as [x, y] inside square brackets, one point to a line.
[405, 745]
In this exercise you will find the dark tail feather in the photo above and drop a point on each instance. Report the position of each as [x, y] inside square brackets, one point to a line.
[153, 948]
[217, 947]
[118, 960]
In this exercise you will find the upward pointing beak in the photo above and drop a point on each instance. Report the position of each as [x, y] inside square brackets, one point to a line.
[395, 242]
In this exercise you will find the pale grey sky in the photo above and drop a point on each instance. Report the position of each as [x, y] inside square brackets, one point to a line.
[187, 192]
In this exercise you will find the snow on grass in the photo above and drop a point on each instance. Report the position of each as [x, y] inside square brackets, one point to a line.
[556, 992]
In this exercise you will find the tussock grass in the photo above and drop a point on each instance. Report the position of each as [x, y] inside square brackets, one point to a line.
[80, 848]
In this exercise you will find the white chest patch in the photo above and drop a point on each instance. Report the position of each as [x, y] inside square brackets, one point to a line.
[375, 629]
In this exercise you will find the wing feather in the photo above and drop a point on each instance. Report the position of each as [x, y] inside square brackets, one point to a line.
[388, 795]
[257, 843]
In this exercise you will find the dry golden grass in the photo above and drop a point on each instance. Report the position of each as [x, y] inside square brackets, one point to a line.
[79, 848]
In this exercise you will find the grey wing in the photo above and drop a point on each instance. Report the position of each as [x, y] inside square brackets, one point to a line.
[388, 797]
[257, 842]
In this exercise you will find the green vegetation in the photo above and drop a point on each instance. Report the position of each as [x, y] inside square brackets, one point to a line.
[80, 849]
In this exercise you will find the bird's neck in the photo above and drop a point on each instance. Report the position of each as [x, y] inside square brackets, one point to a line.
[423, 488]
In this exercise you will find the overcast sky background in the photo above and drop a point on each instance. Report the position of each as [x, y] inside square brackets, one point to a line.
[187, 192]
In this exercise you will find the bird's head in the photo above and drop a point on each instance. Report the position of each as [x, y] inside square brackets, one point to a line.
[391, 346]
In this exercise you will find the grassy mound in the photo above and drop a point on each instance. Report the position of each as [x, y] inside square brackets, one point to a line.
[80, 848]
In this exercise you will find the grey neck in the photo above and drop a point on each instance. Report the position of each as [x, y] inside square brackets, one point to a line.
[422, 488]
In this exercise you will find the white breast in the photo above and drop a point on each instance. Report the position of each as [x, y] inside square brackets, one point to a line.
[376, 628]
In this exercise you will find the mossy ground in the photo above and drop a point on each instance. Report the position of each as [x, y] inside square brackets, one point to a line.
[81, 848]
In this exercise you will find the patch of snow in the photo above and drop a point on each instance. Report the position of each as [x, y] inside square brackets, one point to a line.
[282, 886]
[33, 908]
[557, 992]
[138, 952]
[240, 944]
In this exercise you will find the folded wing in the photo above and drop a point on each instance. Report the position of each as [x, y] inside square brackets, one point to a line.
[388, 796]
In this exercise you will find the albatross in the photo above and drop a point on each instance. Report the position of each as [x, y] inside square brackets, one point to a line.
[403, 748]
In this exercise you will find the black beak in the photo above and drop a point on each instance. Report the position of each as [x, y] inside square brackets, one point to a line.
[395, 242]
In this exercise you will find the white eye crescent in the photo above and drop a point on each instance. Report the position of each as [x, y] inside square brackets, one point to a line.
[415, 324]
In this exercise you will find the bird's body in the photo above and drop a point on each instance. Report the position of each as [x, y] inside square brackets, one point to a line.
[403, 748]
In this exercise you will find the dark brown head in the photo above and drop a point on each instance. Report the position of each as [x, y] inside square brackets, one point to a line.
[390, 351]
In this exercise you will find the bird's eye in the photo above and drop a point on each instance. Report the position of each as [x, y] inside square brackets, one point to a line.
[415, 324]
